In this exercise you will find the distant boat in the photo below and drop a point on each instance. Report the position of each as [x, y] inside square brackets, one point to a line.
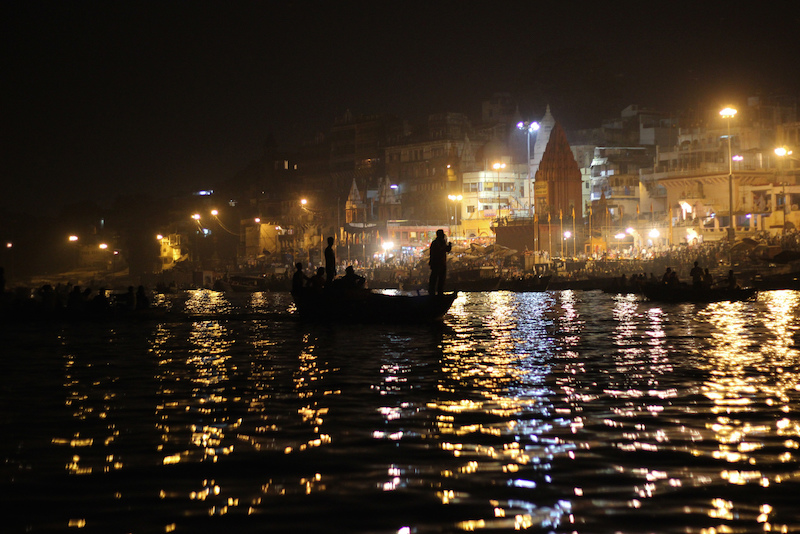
[778, 281]
[526, 283]
[687, 293]
[473, 280]
[365, 306]
[251, 284]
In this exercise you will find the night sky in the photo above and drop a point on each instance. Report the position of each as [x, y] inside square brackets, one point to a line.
[109, 98]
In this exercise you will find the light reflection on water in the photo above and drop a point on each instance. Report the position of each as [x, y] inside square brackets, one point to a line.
[558, 411]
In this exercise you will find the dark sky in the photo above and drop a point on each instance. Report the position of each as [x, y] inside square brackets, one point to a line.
[108, 98]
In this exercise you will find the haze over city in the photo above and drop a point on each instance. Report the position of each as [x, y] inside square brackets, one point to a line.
[103, 100]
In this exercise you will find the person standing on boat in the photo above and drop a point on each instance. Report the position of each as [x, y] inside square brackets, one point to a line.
[330, 262]
[438, 263]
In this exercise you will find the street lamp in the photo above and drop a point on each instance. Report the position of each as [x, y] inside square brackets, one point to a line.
[730, 113]
[529, 128]
[456, 200]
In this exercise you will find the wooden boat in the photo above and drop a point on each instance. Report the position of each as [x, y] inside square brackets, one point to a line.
[473, 280]
[526, 283]
[778, 281]
[251, 284]
[690, 294]
[365, 306]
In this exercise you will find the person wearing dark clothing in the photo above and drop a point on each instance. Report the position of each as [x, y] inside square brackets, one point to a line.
[351, 280]
[317, 282]
[142, 302]
[697, 275]
[731, 280]
[299, 279]
[330, 262]
[438, 263]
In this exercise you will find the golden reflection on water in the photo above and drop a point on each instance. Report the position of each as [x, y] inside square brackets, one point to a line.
[502, 372]
[744, 380]
[527, 390]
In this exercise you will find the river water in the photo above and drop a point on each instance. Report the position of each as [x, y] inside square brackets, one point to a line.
[560, 411]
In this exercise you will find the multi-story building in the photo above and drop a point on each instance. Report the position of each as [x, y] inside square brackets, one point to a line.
[615, 180]
[427, 165]
[723, 174]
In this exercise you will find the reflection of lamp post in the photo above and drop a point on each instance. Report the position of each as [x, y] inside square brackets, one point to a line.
[456, 199]
[528, 128]
[498, 167]
[729, 113]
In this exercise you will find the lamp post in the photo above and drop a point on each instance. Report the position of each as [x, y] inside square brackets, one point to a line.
[529, 128]
[456, 199]
[730, 113]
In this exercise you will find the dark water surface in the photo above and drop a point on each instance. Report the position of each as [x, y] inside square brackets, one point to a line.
[553, 412]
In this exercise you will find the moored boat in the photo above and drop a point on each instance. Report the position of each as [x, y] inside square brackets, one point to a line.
[524, 284]
[474, 279]
[690, 294]
[365, 306]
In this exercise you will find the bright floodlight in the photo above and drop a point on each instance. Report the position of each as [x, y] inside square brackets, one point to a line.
[103, 246]
[303, 201]
[728, 113]
[783, 151]
[620, 236]
[654, 233]
[567, 234]
[159, 237]
[9, 245]
[498, 166]
[196, 216]
[73, 238]
[629, 231]
[214, 213]
[387, 245]
[530, 127]
[258, 219]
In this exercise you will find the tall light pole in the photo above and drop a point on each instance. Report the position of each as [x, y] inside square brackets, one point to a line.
[456, 199]
[529, 128]
[730, 113]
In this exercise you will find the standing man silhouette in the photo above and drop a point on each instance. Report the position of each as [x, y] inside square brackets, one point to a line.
[330, 262]
[438, 262]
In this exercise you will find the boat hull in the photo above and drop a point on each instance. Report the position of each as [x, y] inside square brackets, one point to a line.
[363, 306]
[686, 293]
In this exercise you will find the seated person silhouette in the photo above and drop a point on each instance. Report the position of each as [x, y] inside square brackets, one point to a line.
[351, 280]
